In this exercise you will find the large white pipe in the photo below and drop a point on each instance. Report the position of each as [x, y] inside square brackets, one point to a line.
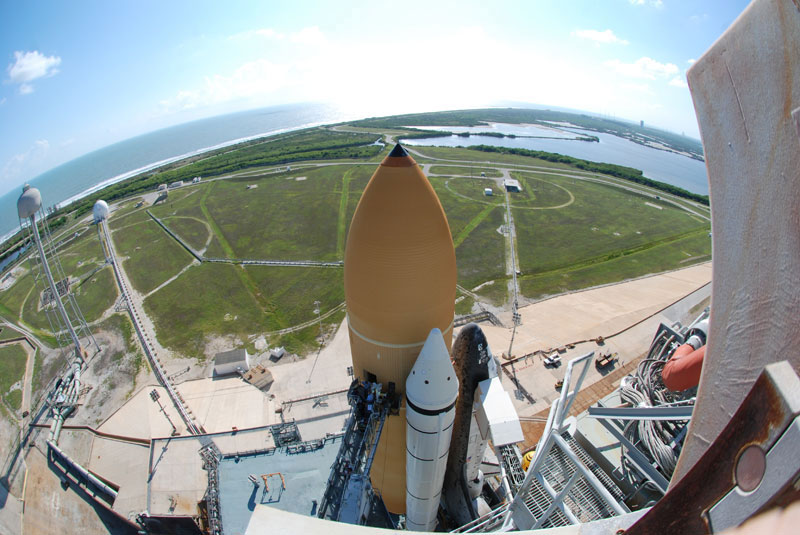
[431, 392]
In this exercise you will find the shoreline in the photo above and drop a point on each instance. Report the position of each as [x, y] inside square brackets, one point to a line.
[155, 165]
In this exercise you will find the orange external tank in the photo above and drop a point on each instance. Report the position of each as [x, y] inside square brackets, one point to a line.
[399, 283]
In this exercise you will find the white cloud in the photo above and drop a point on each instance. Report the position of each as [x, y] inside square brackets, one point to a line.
[3, 101]
[30, 66]
[691, 61]
[697, 19]
[655, 3]
[252, 79]
[606, 36]
[637, 87]
[308, 36]
[679, 81]
[26, 164]
[265, 33]
[645, 68]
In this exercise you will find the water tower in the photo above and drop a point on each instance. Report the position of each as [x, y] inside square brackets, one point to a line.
[100, 213]
[66, 320]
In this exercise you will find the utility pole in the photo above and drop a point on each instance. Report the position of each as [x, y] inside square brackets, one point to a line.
[154, 395]
[318, 312]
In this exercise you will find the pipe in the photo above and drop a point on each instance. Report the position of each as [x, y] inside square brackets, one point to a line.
[84, 472]
[682, 370]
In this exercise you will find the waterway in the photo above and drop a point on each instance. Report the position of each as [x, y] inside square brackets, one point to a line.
[660, 165]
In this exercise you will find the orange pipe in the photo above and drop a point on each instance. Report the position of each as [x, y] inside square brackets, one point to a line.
[682, 370]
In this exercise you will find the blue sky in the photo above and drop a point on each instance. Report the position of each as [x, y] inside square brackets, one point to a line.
[79, 76]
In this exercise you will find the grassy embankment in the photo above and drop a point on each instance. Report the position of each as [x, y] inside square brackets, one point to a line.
[12, 370]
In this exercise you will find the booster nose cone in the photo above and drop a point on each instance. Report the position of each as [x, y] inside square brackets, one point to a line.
[29, 202]
[432, 384]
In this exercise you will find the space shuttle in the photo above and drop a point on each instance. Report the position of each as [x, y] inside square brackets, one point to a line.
[400, 289]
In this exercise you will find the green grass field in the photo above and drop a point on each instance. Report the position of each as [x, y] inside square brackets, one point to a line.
[684, 252]
[153, 256]
[279, 298]
[602, 221]
[283, 218]
[96, 294]
[541, 191]
[7, 333]
[12, 369]
[12, 299]
[186, 318]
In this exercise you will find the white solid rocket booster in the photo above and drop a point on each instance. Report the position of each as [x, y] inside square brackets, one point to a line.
[431, 391]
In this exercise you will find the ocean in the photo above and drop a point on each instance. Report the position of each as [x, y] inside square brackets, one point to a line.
[88, 173]
[122, 160]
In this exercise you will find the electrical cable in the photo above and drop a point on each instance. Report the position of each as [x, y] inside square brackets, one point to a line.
[644, 388]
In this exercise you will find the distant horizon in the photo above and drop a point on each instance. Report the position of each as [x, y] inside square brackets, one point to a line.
[78, 78]
[519, 105]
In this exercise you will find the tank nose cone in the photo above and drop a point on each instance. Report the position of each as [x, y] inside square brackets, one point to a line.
[398, 152]
[432, 383]
[399, 157]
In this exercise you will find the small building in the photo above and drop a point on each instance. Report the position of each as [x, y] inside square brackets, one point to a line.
[511, 185]
[228, 362]
[162, 187]
[483, 174]
[177, 184]
[488, 192]
[195, 180]
[277, 353]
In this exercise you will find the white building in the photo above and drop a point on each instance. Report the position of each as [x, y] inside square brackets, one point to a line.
[277, 353]
[488, 192]
[511, 185]
[229, 362]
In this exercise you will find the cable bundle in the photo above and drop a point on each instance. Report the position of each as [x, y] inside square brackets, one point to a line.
[658, 439]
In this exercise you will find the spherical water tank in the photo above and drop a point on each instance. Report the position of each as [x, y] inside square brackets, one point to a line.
[100, 211]
[29, 202]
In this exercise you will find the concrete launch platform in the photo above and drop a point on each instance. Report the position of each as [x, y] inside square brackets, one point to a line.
[217, 404]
